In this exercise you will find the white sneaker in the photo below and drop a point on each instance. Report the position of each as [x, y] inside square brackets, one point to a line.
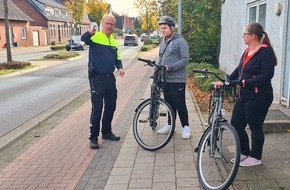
[186, 132]
[242, 158]
[250, 161]
[164, 129]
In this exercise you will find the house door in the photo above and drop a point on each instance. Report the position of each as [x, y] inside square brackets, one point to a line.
[35, 38]
[286, 76]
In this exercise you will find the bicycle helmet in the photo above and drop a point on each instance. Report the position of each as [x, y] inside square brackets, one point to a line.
[167, 20]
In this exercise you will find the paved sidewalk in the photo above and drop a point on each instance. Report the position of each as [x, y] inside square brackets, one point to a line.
[62, 158]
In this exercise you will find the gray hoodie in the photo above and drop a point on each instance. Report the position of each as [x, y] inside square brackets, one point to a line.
[175, 57]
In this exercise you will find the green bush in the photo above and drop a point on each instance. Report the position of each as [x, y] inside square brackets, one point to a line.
[61, 55]
[147, 42]
[14, 65]
[203, 83]
[57, 47]
[146, 48]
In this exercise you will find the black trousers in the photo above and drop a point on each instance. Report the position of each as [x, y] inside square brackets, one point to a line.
[103, 98]
[253, 113]
[174, 94]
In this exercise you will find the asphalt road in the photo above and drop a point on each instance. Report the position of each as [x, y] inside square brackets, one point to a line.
[25, 97]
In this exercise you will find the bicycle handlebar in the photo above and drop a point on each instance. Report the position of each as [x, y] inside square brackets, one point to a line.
[152, 63]
[226, 81]
[149, 62]
[157, 70]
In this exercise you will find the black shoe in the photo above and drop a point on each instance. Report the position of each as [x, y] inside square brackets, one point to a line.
[110, 136]
[94, 144]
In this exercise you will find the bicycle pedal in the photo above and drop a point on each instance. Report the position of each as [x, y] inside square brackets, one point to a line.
[142, 121]
[162, 114]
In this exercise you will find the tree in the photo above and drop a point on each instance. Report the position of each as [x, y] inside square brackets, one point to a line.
[148, 14]
[96, 9]
[76, 10]
[136, 23]
[169, 8]
[8, 48]
[201, 27]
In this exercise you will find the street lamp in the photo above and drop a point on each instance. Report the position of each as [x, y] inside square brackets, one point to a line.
[179, 16]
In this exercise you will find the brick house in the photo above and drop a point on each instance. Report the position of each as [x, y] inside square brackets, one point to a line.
[84, 24]
[45, 22]
[50, 20]
[19, 26]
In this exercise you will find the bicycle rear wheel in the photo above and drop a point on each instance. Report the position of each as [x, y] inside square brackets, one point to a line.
[215, 171]
[145, 129]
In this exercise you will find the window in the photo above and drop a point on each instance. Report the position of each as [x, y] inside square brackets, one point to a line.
[50, 31]
[49, 11]
[64, 13]
[257, 12]
[54, 30]
[23, 33]
[57, 12]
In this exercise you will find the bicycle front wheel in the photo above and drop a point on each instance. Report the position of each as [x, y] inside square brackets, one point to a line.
[148, 119]
[214, 167]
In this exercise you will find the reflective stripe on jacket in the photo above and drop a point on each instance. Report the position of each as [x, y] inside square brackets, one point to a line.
[104, 53]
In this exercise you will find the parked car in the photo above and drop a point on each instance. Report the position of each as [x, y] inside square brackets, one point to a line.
[155, 39]
[75, 43]
[144, 37]
[131, 39]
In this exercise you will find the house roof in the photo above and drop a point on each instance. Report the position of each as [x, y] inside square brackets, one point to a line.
[14, 13]
[41, 4]
[51, 3]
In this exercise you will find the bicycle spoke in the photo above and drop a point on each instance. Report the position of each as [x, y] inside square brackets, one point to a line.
[214, 169]
[145, 121]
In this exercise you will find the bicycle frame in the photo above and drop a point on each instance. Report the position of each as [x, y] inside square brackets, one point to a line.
[219, 144]
[216, 114]
[215, 117]
[156, 89]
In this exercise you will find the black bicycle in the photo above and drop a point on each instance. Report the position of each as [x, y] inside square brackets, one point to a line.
[218, 151]
[153, 113]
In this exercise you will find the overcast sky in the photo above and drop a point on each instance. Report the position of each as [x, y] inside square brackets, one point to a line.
[123, 6]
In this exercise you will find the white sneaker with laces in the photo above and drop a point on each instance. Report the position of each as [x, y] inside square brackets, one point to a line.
[165, 129]
[186, 132]
[242, 158]
[250, 161]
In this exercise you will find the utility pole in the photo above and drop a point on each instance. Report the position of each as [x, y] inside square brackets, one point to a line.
[179, 16]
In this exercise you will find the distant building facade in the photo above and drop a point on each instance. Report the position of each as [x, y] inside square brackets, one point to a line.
[19, 26]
